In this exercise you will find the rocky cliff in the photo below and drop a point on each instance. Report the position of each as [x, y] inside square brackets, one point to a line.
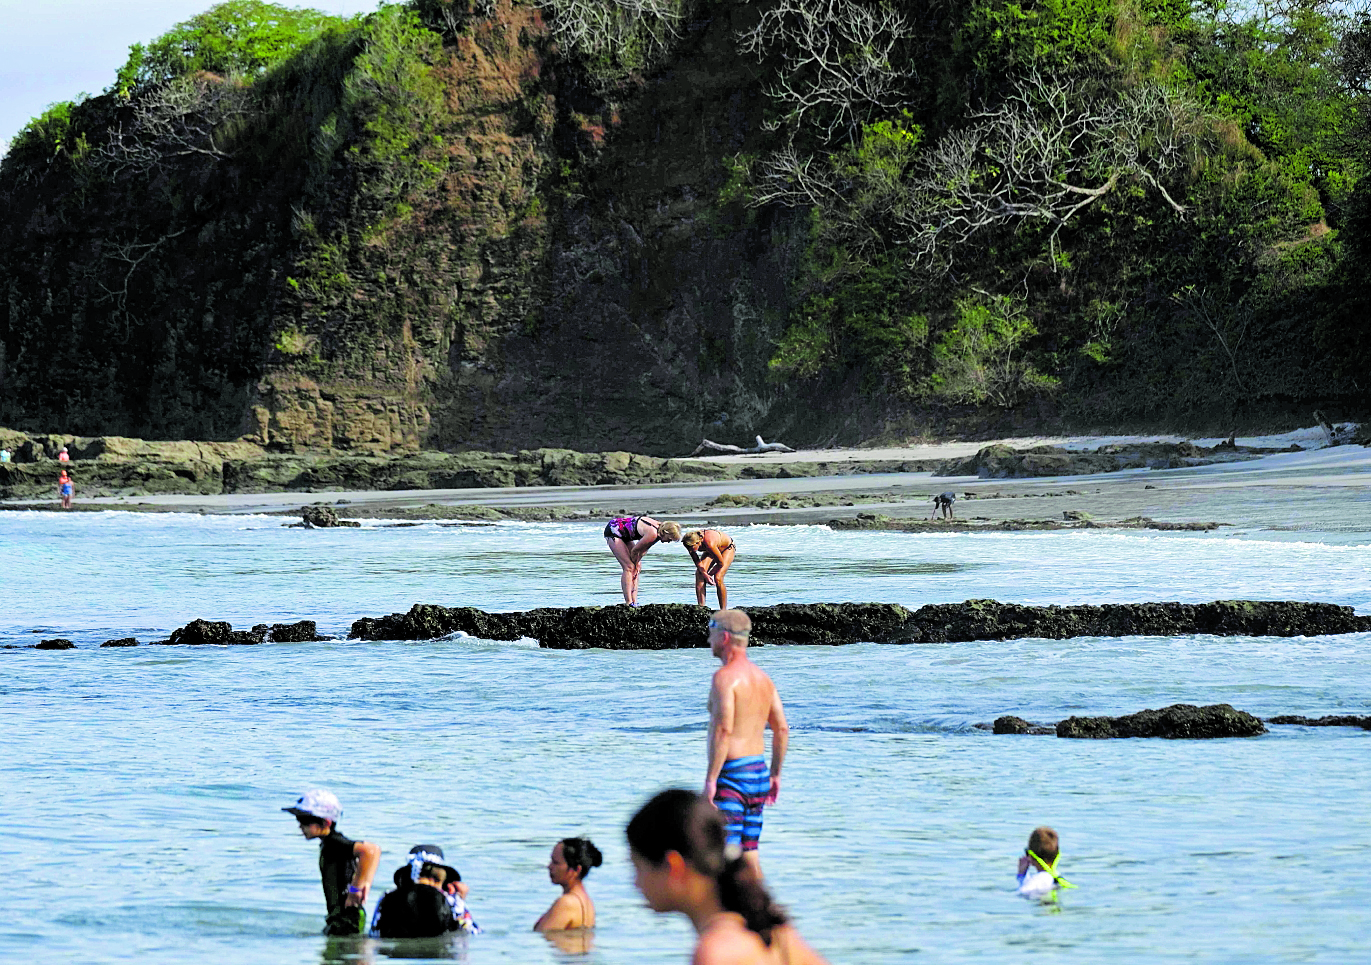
[426, 231]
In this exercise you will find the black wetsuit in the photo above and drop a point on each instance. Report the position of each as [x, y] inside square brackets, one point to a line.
[337, 865]
[414, 911]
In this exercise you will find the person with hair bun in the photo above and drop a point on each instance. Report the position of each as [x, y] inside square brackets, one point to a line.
[682, 862]
[628, 538]
[713, 554]
[571, 861]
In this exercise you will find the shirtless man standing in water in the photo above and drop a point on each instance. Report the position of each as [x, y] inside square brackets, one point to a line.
[743, 703]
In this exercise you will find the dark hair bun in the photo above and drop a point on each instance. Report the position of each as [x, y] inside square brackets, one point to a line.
[582, 854]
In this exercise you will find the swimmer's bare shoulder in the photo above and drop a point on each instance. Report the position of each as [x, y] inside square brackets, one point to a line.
[791, 949]
[731, 945]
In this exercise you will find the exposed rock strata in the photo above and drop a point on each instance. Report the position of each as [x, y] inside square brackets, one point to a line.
[981, 524]
[670, 626]
[1006, 462]
[116, 465]
[1179, 721]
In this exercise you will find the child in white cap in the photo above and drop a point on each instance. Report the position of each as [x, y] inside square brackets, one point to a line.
[346, 866]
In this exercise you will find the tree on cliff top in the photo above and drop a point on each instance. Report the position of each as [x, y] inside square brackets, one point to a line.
[242, 37]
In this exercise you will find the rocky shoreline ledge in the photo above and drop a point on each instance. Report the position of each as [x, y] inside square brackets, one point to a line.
[114, 465]
[1177, 722]
[673, 625]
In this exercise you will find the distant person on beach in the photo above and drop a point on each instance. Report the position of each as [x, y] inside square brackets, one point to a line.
[629, 537]
[345, 866]
[683, 862]
[62, 455]
[1038, 878]
[428, 900]
[571, 861]
[944, 501]
[743, 703]
[65, 489]
[713, 554]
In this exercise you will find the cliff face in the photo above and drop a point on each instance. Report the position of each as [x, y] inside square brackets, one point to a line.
[418, 238]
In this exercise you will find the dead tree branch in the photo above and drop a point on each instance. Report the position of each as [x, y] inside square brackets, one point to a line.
[1044, 154]
[837, 61]
[707, 446]
[188, 116]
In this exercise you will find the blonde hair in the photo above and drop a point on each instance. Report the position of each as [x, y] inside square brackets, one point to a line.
[693, 539]
[669, 532]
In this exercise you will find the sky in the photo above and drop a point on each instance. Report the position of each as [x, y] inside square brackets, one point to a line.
[53, 50]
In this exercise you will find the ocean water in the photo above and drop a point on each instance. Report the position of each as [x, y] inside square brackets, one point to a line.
[140, 788]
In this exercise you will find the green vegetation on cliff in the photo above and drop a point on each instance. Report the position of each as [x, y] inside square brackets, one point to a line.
[629, 223]
[1145, 209]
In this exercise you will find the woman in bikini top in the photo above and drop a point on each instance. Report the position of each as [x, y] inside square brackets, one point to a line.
[628, 538]
[571, 861]
[713, 554]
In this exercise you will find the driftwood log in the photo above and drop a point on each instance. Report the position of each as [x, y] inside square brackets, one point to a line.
[761, 446]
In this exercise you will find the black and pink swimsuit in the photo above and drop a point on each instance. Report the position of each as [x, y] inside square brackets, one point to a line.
[624, 528]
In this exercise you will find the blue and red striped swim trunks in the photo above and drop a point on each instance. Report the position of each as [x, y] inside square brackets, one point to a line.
[740, 793]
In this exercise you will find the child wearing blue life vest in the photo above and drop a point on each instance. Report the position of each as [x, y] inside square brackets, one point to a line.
[1038, 878]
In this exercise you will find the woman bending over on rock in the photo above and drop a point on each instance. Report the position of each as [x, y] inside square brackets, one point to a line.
[713, 553]
[629, 537]
[681, 863]
[571, 861]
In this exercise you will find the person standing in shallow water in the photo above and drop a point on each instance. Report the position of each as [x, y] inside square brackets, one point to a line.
[683, 863]
[65, 489]
[346, 867]
[628, 538]
[713, 554]
[571, 861]
[743, 703]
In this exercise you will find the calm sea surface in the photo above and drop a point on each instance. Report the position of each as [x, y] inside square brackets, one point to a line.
[140, 788]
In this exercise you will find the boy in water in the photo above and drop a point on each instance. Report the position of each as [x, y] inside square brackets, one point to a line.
[345, 866]
[1038, 878]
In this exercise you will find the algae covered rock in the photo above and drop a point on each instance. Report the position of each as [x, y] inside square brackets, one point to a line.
[1009, 724]
[121, 642]
[1330, 720]
[323, 517]
[210, 633]
[1177, 722]
[55, 644]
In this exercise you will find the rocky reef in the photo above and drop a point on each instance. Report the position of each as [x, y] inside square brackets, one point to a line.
[1006, 462]
[1179, 721]
[670, 626]
[980, 524]
[1329, 720]
[114, 465]
[199, 633]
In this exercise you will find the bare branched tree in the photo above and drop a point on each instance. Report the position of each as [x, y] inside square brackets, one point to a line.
[597, 28]
[838, 61]
[1226, 319]
[129, 256]
[187, 116]
[1048, 151]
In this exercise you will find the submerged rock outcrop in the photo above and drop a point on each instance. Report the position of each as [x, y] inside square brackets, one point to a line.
[1070, 520]
[1329, 720]
[1177, 722]
[221, 633]
[672, 625]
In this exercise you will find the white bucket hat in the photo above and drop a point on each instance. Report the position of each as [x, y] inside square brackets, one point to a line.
[317, 803]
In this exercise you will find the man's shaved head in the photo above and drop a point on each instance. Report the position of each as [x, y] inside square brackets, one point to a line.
[736, 622]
